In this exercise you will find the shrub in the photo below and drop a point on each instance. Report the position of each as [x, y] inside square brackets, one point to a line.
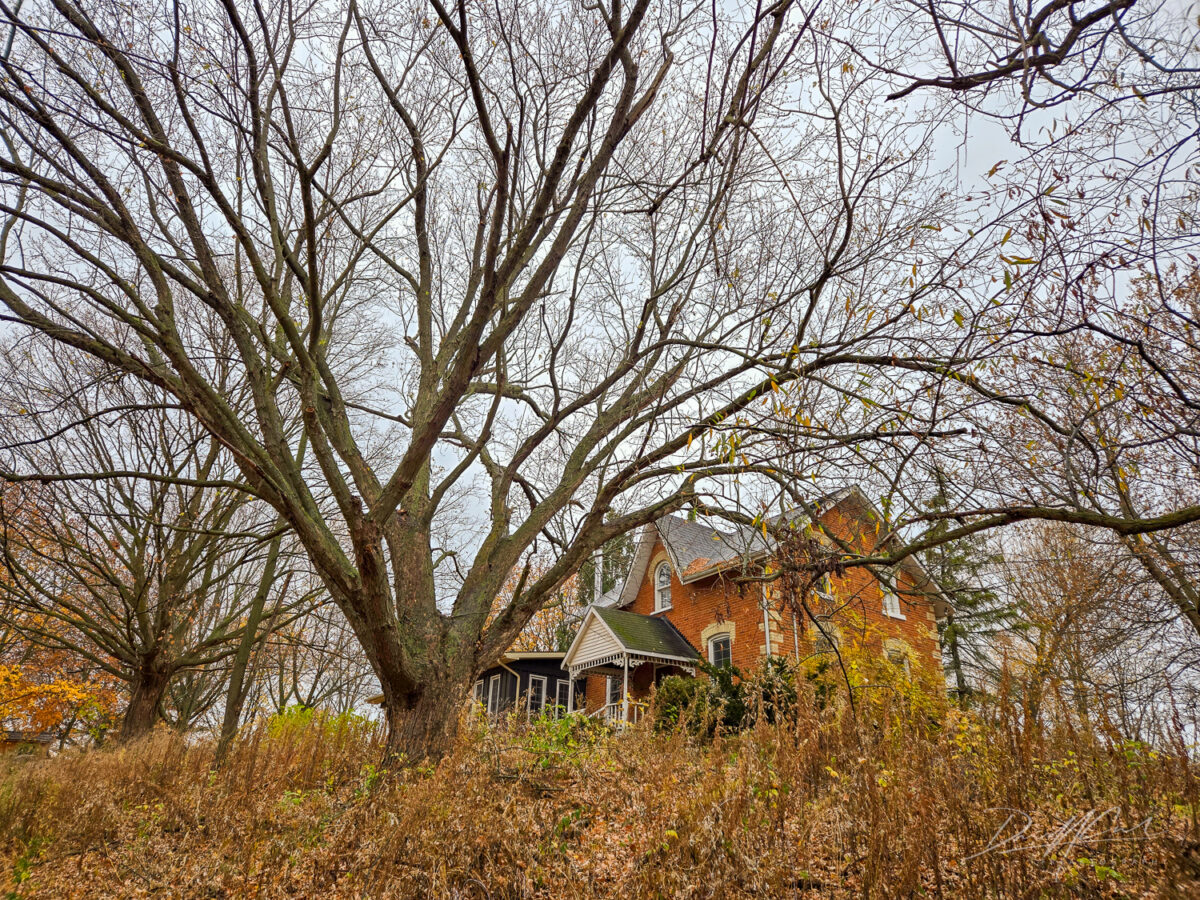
[297, 720]
[770, 693]
[726, 700]
[876, 683]
[292, 719]
[726, 696]
[554, 740]
[679, 699]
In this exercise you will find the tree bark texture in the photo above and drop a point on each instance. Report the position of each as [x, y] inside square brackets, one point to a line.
[146, 696]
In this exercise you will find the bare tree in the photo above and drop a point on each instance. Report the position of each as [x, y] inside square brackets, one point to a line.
[463, 178]
[315, 662]
[1110, 422]
[133, 558]
[1054, 52]
[1096, 640]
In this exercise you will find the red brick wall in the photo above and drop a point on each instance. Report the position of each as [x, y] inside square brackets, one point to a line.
[696, 605]
[596, 687]
[860, 596]
[719, 599]
[640, 680]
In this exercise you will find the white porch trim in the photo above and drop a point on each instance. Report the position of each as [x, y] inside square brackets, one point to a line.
[611, 654]
[619, 660]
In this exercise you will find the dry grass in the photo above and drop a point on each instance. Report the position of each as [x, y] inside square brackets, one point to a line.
[893, 806]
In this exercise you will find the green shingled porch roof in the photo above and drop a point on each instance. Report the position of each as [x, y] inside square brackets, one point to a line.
[646, 634]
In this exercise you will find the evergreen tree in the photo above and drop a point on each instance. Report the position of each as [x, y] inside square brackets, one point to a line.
[959, 568]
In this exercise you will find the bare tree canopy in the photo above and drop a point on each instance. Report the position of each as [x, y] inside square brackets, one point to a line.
[1053, 51]
[458, 285]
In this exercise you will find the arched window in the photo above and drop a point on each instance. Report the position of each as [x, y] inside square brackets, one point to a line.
[662, 587]
[720, 650]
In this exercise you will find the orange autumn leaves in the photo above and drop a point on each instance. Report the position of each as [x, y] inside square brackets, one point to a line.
[44, 688]
[36, 702]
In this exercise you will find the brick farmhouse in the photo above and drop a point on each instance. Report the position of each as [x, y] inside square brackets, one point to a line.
[683, 600]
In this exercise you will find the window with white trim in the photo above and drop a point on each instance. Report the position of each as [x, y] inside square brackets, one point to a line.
[537, 695]
[493, 702]
[613, 710]
[562, 698]
[479, 691]
[891, 600]
[614, 690]
[720, 650]
[662, 587]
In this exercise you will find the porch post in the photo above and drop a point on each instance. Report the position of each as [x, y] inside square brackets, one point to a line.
[570, 692]
[625, 694]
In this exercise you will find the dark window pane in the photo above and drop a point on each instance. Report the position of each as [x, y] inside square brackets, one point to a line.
[720, 650]
[562, 697]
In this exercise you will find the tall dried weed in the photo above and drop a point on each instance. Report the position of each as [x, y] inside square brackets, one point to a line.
[907, 797]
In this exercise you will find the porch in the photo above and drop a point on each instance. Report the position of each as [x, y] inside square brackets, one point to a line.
[631, 651]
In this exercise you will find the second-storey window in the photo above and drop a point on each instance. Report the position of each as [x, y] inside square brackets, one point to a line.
[891, 602]
[720, 650]
[662, 587]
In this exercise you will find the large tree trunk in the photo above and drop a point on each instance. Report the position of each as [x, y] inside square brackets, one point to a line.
[422, 706]
[423, 724]
[149, 685]
[425, 661]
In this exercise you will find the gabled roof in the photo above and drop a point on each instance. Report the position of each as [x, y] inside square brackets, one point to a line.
[698, 549]
[696, 546]
[608, 634]
[654, 635]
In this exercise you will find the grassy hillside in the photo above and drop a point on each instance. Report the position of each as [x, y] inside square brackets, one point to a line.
[906, 800]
